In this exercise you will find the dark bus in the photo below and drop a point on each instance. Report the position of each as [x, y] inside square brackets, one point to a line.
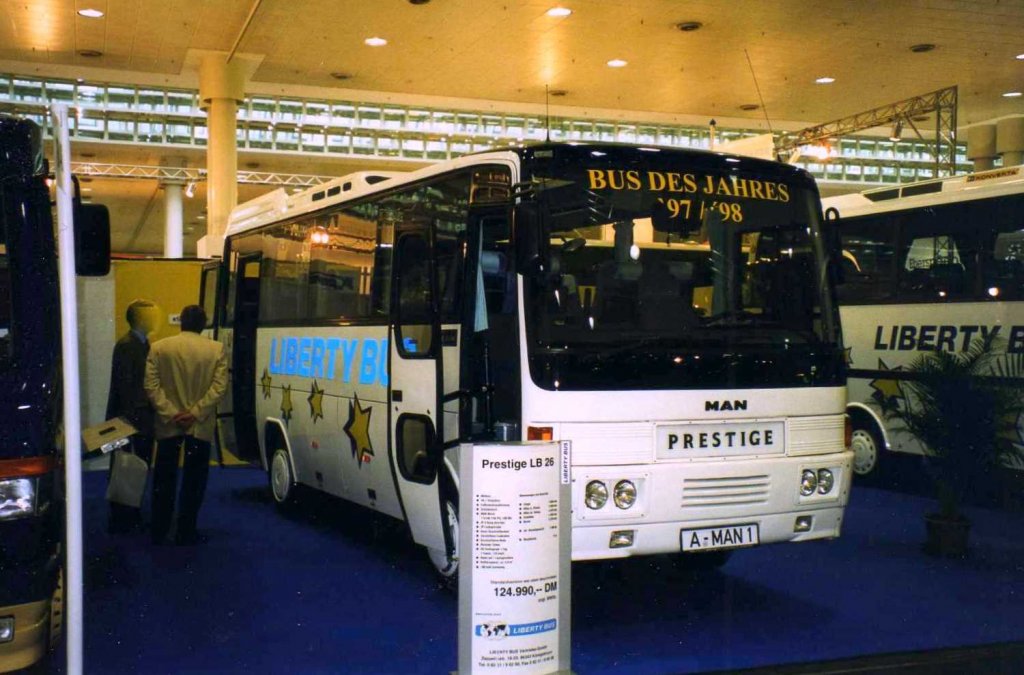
[31, 406]
[31, 507]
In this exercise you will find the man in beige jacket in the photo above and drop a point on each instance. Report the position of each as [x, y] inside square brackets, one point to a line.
[186, 376]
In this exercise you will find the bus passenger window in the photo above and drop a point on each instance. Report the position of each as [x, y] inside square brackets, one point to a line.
[868, 260]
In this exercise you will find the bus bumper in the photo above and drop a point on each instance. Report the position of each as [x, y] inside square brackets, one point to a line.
[673, 497]
[31, 625]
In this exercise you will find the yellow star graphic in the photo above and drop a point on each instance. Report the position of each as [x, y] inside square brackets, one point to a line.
[286, 403]
[358, 430]
[887, 391]
[265, 382]
[316, 402]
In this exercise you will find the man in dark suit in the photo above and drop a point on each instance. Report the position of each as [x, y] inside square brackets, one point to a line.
[127, 398]
[186, 377]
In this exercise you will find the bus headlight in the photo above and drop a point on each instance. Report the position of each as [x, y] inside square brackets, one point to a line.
[6, 628]
[825, 481]
[596, 495]
[625, 494]
[17, 498]
[808, 482]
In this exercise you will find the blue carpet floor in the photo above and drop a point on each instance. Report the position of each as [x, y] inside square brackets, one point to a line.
[331, 589]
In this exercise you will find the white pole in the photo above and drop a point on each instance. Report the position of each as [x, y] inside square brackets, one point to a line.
[173, 219]
[72, 410]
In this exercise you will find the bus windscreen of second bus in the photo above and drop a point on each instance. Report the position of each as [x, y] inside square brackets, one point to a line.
[728, 265]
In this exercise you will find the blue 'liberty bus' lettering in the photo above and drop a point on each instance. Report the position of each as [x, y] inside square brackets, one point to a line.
[315, 357]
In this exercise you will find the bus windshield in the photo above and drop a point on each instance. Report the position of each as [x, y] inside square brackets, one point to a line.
[648, 258]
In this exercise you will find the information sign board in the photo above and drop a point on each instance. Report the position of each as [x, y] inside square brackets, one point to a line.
[515, 548]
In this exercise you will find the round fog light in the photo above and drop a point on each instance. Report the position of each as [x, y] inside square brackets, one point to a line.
[825, 481]
[596, 494]
[625, 494]
[808, 482]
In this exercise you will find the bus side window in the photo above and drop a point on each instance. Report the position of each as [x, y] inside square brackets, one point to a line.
[1003, 249]
[414, 296]
[937, 255]
[869, 256]
[415, 439]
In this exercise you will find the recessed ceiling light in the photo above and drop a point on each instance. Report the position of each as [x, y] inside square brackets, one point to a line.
[689, 26]
[749, 106]
[921, 48]
[375, 41]
[559, 12]
[1020, 57]
[617, 63]
[338, 75]
[90, 13]
[1011, 94]
[825, 80]
[90, 53]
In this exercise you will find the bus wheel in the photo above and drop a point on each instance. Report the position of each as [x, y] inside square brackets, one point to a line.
[866, 444]
[57, 611]
[282, 482]
[447, 565]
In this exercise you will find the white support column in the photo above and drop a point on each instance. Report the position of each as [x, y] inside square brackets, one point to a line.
[221, 89]
[173, 220]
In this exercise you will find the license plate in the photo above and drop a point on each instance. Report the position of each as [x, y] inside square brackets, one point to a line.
[711, 538]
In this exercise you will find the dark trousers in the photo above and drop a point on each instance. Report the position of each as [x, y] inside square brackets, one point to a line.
[122, 517]
[193, 485]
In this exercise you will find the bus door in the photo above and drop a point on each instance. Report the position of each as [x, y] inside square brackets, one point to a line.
[243, 355]
[415, 385]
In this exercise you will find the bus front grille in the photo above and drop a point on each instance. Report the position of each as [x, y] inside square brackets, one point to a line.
[730, 491]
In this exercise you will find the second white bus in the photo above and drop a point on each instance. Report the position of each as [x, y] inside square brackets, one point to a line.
[929, 266]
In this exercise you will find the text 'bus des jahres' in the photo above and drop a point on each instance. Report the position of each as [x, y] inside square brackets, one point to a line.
[687, 183]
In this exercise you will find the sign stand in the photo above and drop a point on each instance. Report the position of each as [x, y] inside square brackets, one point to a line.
[515, 568]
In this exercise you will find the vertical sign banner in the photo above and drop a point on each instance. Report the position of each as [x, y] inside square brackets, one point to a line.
[514, 572]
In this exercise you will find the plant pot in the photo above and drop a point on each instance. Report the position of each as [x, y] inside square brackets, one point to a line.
[947, 536]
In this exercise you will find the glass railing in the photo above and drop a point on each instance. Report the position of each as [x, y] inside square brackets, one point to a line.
[119, 113]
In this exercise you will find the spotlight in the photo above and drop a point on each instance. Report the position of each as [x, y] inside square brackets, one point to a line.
[897, 131]
[190, 189]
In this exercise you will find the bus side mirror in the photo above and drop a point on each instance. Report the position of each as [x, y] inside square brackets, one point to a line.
[92, 240]
[526, 235]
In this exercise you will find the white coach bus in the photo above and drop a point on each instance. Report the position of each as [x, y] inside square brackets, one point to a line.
[928, 266]
[667, 314]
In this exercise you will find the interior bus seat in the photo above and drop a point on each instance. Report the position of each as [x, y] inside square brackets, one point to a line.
[499, 282]
[616, 294]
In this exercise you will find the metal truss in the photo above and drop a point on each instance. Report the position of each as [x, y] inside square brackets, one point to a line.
[168, 174]
[942, 102]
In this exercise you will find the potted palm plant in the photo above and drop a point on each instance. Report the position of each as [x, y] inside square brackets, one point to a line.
[963, 410]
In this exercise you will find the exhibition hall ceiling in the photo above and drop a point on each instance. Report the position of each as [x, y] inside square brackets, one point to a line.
[509, 50]
[482, 54]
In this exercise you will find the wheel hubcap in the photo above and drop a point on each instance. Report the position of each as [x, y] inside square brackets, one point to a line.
[280, 476]
[865, 452]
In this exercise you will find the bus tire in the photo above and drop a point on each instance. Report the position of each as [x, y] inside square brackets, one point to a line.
[867, 445]
[446, 566]
[57, 611]
[282, 482]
